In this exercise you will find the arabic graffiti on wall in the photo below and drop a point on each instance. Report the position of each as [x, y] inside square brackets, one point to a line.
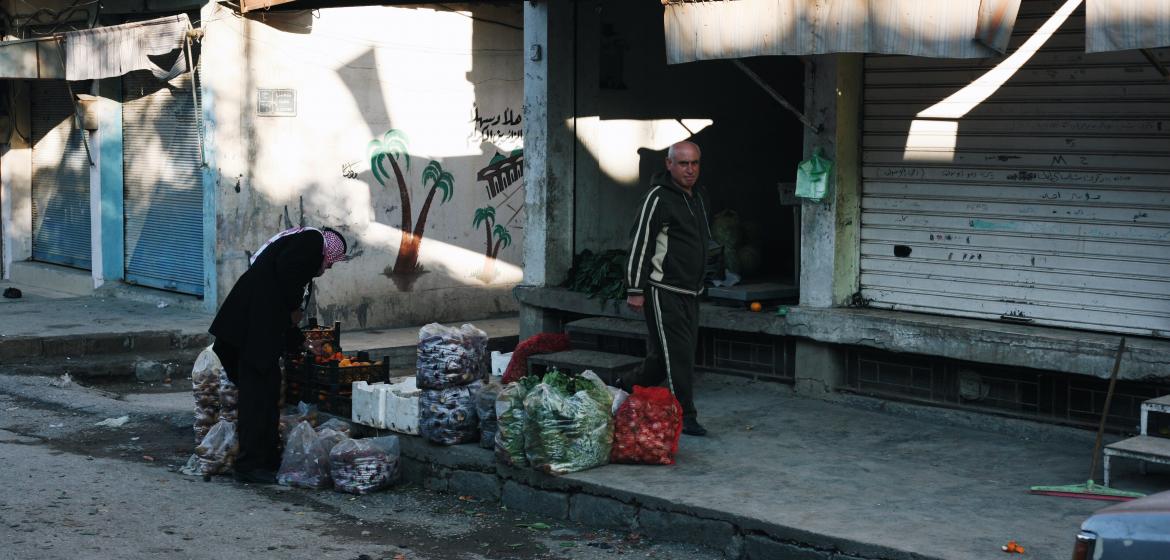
[499, 127]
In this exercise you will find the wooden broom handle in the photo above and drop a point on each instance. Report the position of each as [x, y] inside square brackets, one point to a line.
[1105, 412]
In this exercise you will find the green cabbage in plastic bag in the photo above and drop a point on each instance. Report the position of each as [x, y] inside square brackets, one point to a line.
[510, 419]
[570, 425]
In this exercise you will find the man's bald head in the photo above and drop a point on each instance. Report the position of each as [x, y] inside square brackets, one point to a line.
[682, 161]
[670, 152]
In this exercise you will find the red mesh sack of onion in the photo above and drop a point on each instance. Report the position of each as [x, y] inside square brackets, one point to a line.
[646, 427]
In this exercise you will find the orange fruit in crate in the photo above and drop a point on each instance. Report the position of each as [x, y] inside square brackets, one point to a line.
[756, 306]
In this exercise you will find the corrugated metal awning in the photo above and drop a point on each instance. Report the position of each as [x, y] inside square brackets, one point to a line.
[705, 30]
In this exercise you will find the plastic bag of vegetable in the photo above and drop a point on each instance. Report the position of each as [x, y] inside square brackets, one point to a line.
[361, 466]
[449, 357]
[485, 408]
[217, 452]
[647, 427]
[337, 425]
[305, 462]
[569, 426]
[448, 416]
[510, 420]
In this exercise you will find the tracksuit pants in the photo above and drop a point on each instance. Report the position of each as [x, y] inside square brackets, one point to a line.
[259, 413]
[672, 320]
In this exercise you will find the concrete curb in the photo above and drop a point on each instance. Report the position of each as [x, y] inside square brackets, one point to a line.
[24, 348]
[471, 470]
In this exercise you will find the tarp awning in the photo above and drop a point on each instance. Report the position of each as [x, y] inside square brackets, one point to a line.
[1118, 25]
[705, 30]
[743, 28]
[102, 52]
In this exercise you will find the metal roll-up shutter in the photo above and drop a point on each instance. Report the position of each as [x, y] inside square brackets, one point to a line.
[163, 184]
[60, 179]
[1046, 203]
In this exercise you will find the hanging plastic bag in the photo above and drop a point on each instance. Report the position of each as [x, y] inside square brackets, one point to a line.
[361, 466]
[647, 427]
[813, 177]
[510, 420]
[570, 424]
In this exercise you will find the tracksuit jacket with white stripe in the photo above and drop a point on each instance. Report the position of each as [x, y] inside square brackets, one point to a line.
[670, 237]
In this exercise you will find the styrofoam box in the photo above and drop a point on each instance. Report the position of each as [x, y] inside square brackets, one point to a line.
[392, 406]
[500, 362]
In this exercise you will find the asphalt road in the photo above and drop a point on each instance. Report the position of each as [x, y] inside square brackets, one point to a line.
[73, 490]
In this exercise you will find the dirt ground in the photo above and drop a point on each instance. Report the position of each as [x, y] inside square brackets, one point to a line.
[133, 462]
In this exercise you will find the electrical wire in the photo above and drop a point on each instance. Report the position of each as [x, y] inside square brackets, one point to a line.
[477, 18]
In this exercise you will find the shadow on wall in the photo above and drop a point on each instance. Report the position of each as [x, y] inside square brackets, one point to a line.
[751, 146]
[430, 190]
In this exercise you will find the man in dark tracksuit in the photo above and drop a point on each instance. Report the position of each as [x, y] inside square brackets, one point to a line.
[250, 331]
[664, 275]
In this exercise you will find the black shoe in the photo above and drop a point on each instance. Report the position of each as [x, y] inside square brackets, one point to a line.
[255, 477]
[691, 427]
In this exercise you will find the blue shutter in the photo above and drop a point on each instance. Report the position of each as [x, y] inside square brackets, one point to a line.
[60, 179]
[163, 184]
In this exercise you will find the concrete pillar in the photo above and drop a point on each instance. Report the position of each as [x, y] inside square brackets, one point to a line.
[831, 230]
[16, 181]
[549, 142]
[820, 369]
[109, 241]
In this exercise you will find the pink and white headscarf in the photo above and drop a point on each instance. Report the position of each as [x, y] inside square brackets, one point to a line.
[334, 247]
[333, 251]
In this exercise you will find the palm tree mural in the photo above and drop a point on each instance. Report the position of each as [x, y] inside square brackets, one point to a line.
[487, 216]
[391, 147]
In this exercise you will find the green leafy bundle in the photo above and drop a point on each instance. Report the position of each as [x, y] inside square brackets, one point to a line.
[599, 274]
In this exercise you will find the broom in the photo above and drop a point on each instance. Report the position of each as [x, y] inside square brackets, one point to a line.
[1091, 490]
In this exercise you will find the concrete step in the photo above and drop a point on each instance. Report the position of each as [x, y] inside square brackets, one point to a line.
[608, 366]
[608, 334]
[400, 346]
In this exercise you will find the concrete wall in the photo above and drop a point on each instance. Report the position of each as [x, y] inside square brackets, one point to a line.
[440, 89]
[16, 182]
